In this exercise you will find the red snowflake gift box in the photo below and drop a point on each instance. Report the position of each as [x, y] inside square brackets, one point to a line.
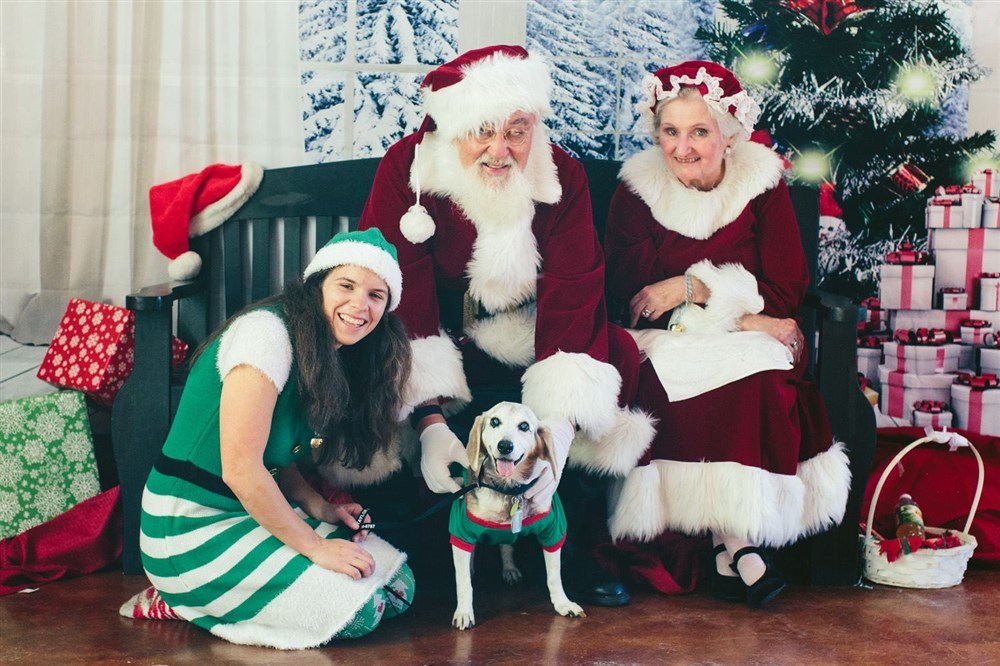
[93, 350]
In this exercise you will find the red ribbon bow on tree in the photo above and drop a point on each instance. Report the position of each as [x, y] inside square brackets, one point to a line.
[826, 15]
[907, 256]
[987, 380]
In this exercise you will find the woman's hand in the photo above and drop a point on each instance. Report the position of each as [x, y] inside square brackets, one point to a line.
[655, 300]
[345, 557]
[785, 331]
[348, 515]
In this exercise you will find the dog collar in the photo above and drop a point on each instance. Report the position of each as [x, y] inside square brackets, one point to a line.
[509, 490]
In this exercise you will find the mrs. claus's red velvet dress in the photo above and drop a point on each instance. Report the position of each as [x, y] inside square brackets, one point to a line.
[754, 457]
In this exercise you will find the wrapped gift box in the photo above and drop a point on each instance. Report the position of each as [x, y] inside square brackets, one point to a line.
[93, 350]
[931, 413]
[974, 331]
[946, 213]
[972, 205]
[874, 314]
[921, 359]
[953, 298]
[47, 460]
[900, 390]
[907, 287]
[962, 255]
[953, 192]
[991, 213]
[868, 361]
[987, 181]
[989, 360]
[949, 320]
[977, 404]
[989, 292]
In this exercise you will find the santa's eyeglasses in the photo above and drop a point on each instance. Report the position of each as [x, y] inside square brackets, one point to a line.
[514, 136]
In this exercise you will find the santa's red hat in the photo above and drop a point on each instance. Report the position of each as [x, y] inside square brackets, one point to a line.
[718, 87]
[194, 205]
[480, 87]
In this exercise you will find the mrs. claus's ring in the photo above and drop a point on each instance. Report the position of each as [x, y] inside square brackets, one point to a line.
[646, 312]
[795, 343]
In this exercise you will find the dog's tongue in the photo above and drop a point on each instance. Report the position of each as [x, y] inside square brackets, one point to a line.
[505, 468]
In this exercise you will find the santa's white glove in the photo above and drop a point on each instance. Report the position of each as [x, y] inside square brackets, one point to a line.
[438, 448]
[562, 436]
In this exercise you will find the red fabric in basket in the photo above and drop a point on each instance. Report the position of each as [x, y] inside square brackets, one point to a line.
[82, 540]
[942, 483]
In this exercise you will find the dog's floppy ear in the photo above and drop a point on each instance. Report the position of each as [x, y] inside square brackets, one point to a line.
[475, 443]
[546, 447]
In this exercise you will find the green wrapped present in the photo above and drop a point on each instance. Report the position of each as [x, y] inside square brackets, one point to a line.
[47, 462]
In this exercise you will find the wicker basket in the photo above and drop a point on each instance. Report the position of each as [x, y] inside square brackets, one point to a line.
[923, 568]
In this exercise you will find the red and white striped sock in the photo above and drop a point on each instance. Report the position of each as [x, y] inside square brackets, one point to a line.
[148, 605]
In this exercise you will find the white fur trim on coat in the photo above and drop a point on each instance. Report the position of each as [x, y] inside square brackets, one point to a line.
[259, 339]
[574, 386]
[490, 91]
[219, 211]
[436, 371]
[751, 169]
[619, 449]
[733, 294]
[728, 498]
[509, 337]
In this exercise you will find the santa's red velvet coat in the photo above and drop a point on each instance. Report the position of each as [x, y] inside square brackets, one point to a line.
[541, 277]
[754, 458]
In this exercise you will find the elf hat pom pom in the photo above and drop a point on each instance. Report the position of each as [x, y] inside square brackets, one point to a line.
[194, 205]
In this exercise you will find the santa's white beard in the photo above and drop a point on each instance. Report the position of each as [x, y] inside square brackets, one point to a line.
[491, 202]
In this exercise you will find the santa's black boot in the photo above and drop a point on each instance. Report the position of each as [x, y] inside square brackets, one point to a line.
[584, 500]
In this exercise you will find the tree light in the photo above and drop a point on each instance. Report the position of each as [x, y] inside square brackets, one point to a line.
[916, 83]
[812, 166]
[757, 67]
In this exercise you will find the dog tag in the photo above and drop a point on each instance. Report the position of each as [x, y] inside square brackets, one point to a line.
[516, 516]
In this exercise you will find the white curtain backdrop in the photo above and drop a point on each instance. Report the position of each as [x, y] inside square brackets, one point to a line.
[102, 99]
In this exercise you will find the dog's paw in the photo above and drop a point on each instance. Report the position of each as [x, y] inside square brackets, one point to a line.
[512, 575]
[463, 620]
[569, 609]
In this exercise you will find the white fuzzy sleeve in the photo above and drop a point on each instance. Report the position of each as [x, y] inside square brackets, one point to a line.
[260, 339]
[733, 293]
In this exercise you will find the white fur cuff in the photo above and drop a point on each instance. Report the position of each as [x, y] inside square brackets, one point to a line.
[574, 386]
[619, 449]
[734, 293]
[436, 371]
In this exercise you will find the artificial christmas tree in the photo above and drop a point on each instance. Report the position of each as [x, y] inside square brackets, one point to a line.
[857, 94]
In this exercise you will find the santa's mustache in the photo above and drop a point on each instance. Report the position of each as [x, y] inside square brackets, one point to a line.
[497, 164]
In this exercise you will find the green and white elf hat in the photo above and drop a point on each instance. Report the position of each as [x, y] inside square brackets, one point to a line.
[368, 249]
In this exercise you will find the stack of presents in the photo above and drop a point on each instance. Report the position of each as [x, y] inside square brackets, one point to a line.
[929, 346]
[47, 459]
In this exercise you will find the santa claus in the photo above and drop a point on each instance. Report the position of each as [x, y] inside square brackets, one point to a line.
[505, 286]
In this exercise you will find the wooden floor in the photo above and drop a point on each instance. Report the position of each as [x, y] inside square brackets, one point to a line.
[76, 622]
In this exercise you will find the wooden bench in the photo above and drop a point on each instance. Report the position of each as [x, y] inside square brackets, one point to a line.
[297, 209]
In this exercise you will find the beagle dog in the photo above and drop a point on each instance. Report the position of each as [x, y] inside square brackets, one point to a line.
[504, 446]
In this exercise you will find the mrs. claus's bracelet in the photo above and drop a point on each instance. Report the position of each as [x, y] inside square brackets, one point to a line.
[688, 290]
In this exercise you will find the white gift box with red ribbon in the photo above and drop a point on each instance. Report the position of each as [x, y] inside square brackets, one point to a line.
[976, 410]
[989, 292]
[991, 213]
[921, 359]
[972, 206]
[906, 287]
[989, 360]
[946, 213]
[962, 255]
[931, 413]
[899, 390]
[869, 358]
[974, 331]
[953, 298]
[987, 181]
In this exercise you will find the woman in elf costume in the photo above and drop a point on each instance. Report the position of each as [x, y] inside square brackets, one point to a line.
[233, 538]
[703, 253]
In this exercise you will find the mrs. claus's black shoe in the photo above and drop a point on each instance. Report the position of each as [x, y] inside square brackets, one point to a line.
[726, 588]
[767, 586]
